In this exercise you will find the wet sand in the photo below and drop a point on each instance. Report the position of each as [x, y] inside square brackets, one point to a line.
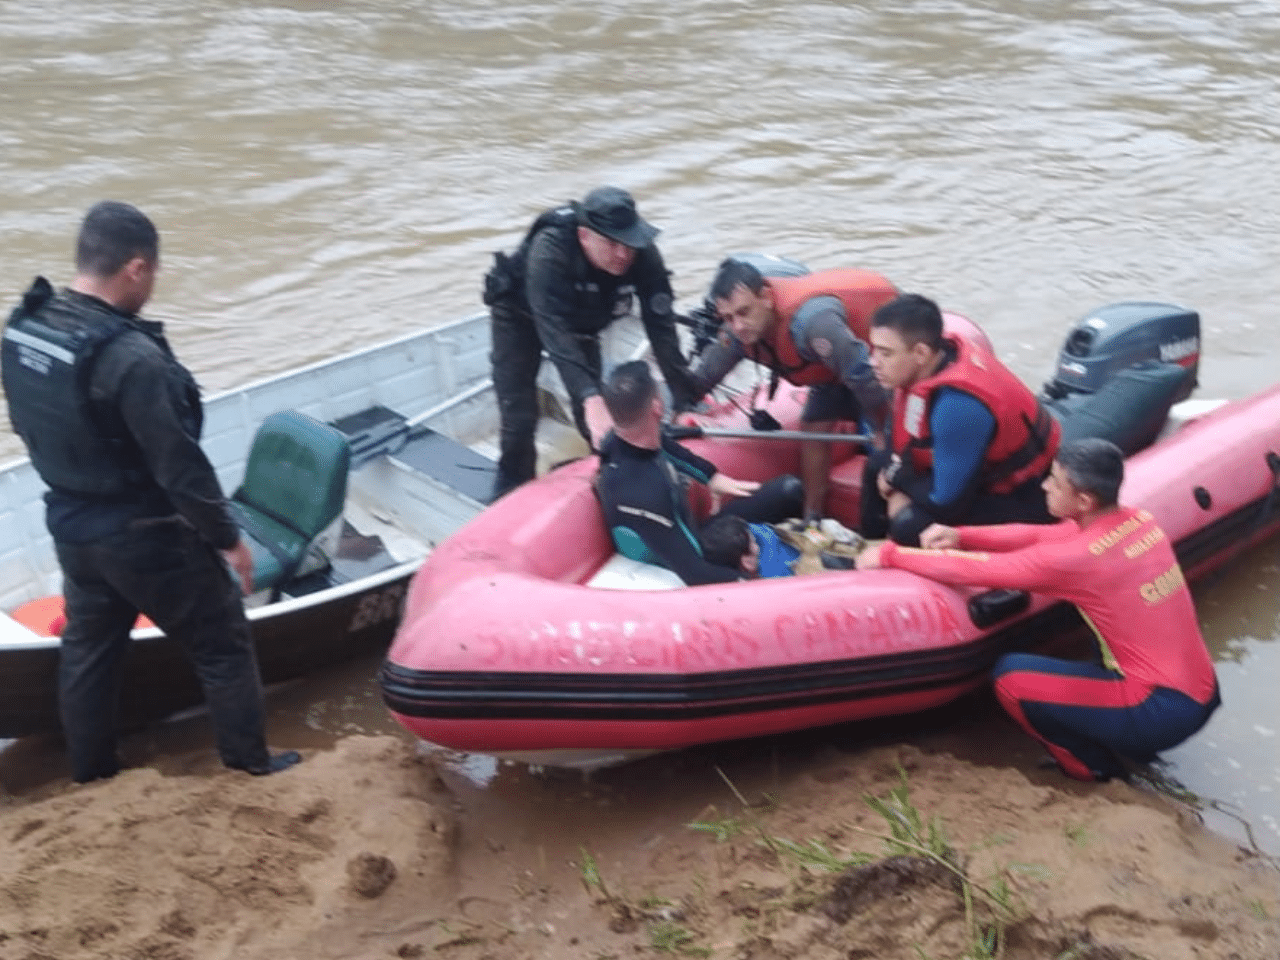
[374, 848]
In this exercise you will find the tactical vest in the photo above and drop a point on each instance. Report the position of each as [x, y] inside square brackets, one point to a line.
[46, 360]
[862, 293]
[504, 284]
[1026, 438]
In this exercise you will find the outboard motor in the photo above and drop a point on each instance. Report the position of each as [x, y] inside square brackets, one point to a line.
[1120, 370]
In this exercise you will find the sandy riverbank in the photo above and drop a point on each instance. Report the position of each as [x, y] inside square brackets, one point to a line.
[361, 852]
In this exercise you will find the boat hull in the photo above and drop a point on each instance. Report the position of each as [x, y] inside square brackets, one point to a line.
[292, 639]
[505, 650]
[348, 611]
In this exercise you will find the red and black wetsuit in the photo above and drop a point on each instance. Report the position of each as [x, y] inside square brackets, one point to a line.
[1155, 684]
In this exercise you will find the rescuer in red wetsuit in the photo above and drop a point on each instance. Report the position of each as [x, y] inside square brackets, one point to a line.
[1154, 685]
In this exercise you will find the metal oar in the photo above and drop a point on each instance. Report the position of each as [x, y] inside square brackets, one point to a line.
[378, 431]
[688, 432]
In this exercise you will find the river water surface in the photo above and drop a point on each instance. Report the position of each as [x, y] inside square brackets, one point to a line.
[327, 175]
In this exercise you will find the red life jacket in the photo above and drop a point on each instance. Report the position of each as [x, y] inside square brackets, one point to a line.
[1026, 438]
[862, 293]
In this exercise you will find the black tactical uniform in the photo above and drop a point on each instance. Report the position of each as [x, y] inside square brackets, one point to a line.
[112, 422]
[547, 296]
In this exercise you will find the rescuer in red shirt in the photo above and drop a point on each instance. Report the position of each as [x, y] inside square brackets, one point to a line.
[1153, 684]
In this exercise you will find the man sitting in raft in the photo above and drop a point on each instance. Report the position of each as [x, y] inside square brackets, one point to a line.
[645, 504]
[969, 443]
[776, 550]
[811, 331]
[1153, 685]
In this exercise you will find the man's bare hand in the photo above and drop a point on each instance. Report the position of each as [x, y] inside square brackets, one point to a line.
[241, 561]
[897, 501]
[599, 423]
[721, 486]
[724, 486]
[938, 536]
[869, 558]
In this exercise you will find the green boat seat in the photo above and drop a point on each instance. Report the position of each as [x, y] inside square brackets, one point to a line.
[289, 505]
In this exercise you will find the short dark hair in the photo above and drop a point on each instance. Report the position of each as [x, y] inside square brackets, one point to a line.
[1094, 466]
[730, 274]
[725, 540]
[915, 318]
[112, 234]
[627, 391]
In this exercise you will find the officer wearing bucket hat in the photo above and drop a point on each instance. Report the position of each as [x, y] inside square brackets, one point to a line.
[611, 211]
[580, 267]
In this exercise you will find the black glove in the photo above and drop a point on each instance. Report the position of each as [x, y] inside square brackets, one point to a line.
[704, 323]
[764, 420]
[892, 470]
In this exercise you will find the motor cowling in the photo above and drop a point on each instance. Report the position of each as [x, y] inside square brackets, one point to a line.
[1121, 335]
[1120, 370]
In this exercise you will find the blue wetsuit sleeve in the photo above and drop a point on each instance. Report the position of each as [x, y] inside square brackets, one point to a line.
[961, 428]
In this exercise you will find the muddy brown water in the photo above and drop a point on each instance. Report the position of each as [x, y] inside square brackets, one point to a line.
[328, 175]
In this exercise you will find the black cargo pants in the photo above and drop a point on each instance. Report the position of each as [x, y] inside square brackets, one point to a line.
[164, 569]
[516, 359]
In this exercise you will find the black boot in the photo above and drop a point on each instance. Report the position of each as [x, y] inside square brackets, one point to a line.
[275, 763]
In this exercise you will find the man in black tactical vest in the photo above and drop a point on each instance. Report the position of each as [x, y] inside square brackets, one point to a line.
[579, 267]
[112, 422]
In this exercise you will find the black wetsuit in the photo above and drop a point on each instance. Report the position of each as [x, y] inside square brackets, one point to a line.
[647, 509]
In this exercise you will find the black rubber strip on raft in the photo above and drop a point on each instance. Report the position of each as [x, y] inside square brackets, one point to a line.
[655, 697]
[667, 696]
